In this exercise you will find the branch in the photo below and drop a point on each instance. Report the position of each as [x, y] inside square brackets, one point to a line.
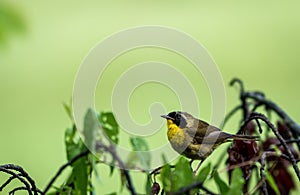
[263, 174]
[112, 151]
[70, 162]
[230, 114]
[254, 116]
[242, 98]
[7, 182]
[8, 167]
[21, 188]
[157, 170]
[19, 177]
[279, 111]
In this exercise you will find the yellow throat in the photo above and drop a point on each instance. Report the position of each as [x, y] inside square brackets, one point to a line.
[175, 134]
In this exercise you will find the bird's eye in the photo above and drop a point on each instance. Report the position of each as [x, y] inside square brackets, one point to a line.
[177, 117]
[180, 121]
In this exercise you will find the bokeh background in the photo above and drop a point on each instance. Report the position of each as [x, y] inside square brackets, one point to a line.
[258, 42]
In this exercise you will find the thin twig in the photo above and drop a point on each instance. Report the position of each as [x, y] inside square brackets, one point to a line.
[22, 188]
[263, 174]
[27, 185]
[157, 170]
[112, 151]
[24, 174]
[292, 141]
[70, 162]
[230, 114]
[259, 126]
[242, 164]
[254, 116]
[7, 182]
[242, 98]
[293, 126]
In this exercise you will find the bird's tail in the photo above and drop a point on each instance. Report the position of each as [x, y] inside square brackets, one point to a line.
[245, 137]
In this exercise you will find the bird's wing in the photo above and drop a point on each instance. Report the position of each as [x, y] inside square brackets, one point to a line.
[212, 137]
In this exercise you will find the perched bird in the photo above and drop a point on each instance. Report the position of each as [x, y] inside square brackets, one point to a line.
[194, 138]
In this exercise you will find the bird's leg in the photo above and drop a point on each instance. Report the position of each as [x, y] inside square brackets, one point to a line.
[196, 170]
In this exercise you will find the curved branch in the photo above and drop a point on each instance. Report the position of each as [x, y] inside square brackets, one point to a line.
[22, 188]
[70, 162]
[27, 185]
[279, 111]
[254, 116]
[242, 98]
[112, 151]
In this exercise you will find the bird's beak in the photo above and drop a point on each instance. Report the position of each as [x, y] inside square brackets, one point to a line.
[166, 117]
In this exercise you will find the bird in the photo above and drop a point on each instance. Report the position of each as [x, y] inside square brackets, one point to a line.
[195, 138]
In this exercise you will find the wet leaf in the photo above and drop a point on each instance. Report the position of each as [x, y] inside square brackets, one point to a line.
[148, 186]
[237, 182]
[141, 150]
[73, 143]
[110, 126]
[182, 175]
[204, 172]
[166, 177]
[272, 183]
[90, 129]
[223, 187]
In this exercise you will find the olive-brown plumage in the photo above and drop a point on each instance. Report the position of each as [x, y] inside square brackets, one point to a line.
[194, 138]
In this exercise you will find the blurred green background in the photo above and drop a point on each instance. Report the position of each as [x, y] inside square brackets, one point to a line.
[257, 42]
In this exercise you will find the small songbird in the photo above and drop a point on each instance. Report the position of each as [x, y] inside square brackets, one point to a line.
[194, 138]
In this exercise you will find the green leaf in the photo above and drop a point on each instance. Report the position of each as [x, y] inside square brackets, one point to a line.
[110, 126]
[141, 149]
[113, 193]
[182, 175]
[236, 186]
[223, 187]
[90, 129]
[11, 22]
[166, 177]
[131, 160]
[78, 180]
[80, 173]
[112, 167]
[72, 142]
[139, 144]
[204, 172]
[148, 185]
[272, 182]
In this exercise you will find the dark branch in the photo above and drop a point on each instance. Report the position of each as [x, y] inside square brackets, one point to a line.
[27, 185]
[263, 174]
[21, 188]
[157, 170]
[242, 98]
[238, 81]
[279, 111]
[230, 114]
[7, 182]
[70, 162]
[254, 116]
[292, 141]
[23, 174]
[112, 151]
